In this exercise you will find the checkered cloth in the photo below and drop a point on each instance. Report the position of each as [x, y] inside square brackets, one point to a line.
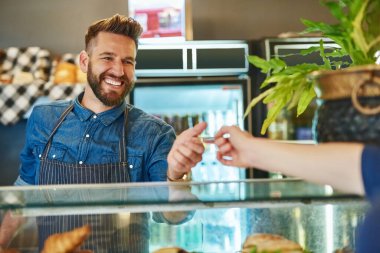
[32, 60]
[64, 91]
[17, 98]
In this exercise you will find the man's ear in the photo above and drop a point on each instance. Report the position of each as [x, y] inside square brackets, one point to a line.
[83, 61]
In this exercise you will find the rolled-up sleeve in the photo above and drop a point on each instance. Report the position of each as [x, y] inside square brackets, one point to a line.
[371, 171]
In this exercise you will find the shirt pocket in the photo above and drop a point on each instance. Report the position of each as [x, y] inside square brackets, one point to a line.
[55, 153]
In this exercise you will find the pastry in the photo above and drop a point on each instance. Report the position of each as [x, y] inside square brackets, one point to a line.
[270, 243]
[66, 242]
[170, 250]
[65, 73]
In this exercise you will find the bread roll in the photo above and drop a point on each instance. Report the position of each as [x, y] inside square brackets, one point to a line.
[170, 250]
[270, 243]
[65, 73]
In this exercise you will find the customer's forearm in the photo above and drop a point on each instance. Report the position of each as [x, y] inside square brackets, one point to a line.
[336, 164]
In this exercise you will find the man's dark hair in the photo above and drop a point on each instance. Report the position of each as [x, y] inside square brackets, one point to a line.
[117, 24]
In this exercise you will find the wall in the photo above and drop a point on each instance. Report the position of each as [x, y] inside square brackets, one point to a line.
[59, 25]
[253, 19]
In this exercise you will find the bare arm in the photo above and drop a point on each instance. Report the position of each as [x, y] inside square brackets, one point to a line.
[336, 164]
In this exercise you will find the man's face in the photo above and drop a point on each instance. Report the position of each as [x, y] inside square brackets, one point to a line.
[111, 67]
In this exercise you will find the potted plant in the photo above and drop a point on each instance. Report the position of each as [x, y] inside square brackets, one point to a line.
[350, 85]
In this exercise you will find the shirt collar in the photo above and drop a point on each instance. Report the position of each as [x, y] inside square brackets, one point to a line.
[106, 117]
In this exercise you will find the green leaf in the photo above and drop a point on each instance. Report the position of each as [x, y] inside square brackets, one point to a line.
[273, 112]
[336, 53]
[277, 65]
[313, 26]
[307, 96]
[256, 100]
[326, 61]
[259, 63]
[295, 99]
[310, 50]
[336, 10]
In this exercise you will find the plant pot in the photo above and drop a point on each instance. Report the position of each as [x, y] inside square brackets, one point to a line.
[348, 105]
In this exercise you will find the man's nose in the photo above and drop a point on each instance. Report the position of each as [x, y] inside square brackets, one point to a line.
[118, 68]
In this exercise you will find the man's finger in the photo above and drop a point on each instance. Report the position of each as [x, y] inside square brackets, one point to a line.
[196, 130]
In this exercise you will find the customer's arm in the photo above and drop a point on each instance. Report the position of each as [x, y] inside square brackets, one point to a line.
[336, 164]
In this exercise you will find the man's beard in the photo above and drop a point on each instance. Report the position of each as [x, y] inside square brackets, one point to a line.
[108, 99]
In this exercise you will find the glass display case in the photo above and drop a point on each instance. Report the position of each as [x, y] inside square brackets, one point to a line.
[196, 216]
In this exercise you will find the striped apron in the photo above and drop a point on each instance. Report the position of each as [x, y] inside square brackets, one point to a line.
[107, 234]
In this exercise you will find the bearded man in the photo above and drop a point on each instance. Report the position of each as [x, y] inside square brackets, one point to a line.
[98, 137]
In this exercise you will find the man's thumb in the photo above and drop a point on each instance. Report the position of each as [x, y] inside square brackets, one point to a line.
[198, 128]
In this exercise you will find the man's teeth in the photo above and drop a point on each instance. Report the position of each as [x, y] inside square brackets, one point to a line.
[112, 82]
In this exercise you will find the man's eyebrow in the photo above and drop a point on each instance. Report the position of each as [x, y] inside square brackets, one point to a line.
[113, 54]
[107, 53]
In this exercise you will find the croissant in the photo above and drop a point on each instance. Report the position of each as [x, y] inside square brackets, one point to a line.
[66, 242]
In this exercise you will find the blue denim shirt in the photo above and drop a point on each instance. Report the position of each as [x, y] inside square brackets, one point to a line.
[89, 138]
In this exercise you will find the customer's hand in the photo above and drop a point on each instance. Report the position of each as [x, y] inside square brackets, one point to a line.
[186, 152]
[234, 146]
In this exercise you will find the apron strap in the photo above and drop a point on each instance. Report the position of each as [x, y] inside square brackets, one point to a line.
[59, 122]
[123, 142]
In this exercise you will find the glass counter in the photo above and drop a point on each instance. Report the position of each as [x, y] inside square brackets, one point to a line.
[198, 217]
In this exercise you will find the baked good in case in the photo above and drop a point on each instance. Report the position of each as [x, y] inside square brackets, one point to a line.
[170, 250]
[67, 242]
[270, 243]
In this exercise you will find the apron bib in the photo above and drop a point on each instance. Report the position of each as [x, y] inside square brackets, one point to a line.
[107, 234]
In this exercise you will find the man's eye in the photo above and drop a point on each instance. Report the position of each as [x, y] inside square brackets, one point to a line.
[107, 58]
[129, 62]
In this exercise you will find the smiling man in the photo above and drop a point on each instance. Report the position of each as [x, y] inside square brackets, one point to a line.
[99, 134]
[98, 137]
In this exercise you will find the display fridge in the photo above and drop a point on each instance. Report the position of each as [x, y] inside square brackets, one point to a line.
[183, 102]
[188, 82]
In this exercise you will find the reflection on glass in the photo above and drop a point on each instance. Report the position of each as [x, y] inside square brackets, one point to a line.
[208, 216]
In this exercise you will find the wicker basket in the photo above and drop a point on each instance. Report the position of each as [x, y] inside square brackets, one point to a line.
[349, 105]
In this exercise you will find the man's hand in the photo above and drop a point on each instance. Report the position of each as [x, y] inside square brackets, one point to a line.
[186, 152]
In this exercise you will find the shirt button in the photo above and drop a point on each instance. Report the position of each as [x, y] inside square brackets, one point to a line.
[87, 135]
[53, 156]
[39, 155]
[131, 166]
[80, 162]
[94, 116]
